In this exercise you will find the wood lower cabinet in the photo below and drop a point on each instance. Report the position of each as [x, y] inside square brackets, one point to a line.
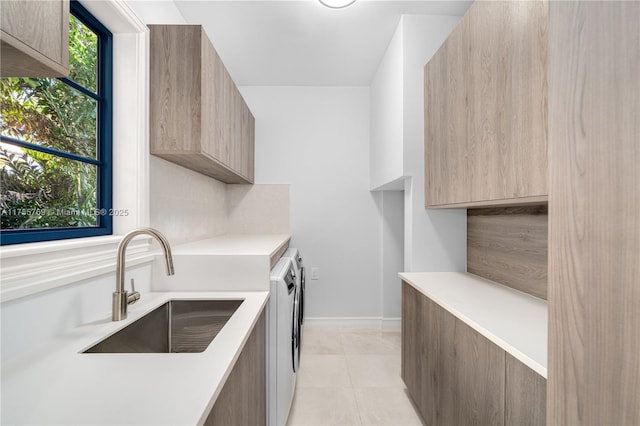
[414, 365]
[476, 372]
[243, 399]
[34, 38]
[526, 395]
[198, 118]
[456, 376]
[486, 108]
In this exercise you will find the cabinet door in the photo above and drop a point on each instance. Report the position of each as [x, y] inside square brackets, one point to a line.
[35, 38]
[453, 374]
[235, 136]
[445, 121]
[486, 108]
[413, 346]
[228, 126]
[248, 143]
[176, 87]
[216, 119]
[474, 378]
[525, 395]
[507, 99]
[438, 364]
[243, 399]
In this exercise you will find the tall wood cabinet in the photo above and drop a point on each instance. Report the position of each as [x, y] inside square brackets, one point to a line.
[198, 119]
[486, 108]
[456, 376]
[594, 219]
[34, 38]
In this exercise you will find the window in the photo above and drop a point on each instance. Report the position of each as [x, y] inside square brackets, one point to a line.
[55, 144]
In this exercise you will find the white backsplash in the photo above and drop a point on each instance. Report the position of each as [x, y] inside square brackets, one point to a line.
[185, 205]
[258, 209]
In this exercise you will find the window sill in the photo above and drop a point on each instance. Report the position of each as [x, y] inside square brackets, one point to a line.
[28, 269]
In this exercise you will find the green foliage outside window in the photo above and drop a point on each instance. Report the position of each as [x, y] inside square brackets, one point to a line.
[43, 190]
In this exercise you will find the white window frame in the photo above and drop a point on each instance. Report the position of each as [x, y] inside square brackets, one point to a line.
[31, 268]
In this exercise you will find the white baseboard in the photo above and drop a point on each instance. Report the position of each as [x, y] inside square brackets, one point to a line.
[354, 323]
[393, 324]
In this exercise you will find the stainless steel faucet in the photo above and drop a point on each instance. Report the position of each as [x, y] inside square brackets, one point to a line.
[122, 298]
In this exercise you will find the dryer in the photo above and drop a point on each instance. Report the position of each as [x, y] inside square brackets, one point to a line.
[283, 341]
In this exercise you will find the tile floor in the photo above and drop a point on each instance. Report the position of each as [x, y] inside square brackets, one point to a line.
[351, 377]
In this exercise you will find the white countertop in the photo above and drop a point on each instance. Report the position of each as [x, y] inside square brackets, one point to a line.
[513, 320]
[235, 244]
[232, 262]
[60, 385]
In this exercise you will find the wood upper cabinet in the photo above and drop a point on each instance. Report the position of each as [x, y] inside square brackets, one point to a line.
[35, 38]
[446, 113]
[198, 118]
[456, 376]
[486, 108]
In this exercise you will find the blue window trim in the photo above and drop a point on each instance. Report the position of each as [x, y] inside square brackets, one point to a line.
[105, 151]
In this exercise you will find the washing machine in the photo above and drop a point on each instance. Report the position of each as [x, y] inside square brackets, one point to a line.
[294, 255]
[283, 341]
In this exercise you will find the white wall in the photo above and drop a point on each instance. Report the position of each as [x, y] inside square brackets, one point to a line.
[317, 139]
[29, 322]
[157, 12]
[392, 252]
[387, 167]
[386, 155]
[435, 240]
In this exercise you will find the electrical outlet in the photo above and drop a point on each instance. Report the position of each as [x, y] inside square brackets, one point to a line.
[315, 273]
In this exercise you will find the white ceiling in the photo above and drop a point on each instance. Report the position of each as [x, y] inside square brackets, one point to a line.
[301, 42]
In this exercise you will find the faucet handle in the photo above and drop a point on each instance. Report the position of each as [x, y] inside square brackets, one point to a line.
[134, 296]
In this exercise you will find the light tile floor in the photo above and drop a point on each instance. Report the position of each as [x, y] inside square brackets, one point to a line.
[351, 377]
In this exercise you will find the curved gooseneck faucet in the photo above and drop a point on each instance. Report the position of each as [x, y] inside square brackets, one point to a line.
[121, 298]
